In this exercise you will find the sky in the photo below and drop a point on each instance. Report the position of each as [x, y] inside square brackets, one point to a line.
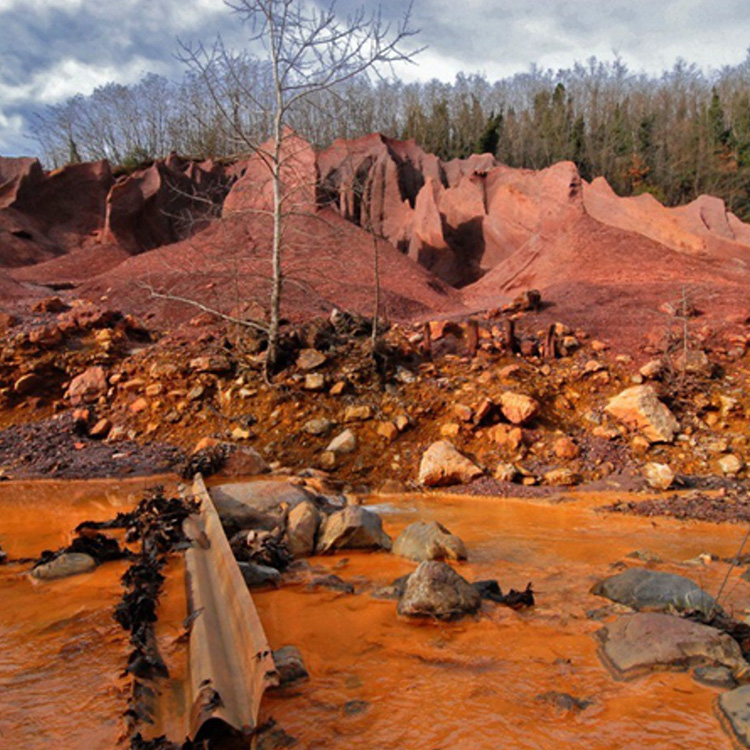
[51, 50]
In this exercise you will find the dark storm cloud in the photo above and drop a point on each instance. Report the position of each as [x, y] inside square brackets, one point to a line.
[52, 49]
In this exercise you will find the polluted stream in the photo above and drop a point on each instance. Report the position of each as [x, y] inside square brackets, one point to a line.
[502, 679]
[62, 654]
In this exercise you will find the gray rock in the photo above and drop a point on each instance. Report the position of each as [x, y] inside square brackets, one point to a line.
[260, 504]
[289, 665]
[394, 590]
[734, 708]
[332, 583]
[434, 589]
[564, 701]
[715, 677]
[302, 526]
[259, 575]
[636, 644]
[429, 540]
[650, 590]
[67, 564]
[352, 528]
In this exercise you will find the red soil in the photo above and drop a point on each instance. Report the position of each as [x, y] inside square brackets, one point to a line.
[471, 235]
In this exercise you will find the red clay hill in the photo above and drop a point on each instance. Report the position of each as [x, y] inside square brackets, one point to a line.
[451, 238]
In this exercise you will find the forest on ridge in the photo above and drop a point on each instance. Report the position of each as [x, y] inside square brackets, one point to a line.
[677, 135]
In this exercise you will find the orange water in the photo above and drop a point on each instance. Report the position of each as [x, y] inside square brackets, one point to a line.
[474, 684]
[421, 685]
[61, 653]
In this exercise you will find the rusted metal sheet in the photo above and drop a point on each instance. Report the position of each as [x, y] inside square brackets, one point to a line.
[231, 663]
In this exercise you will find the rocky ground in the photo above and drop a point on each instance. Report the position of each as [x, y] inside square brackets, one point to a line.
[491, 404]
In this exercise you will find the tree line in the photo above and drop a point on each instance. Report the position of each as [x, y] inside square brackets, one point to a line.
[675, 135]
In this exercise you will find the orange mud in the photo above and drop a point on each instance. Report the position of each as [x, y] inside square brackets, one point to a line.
[474, 684]
[61, 652]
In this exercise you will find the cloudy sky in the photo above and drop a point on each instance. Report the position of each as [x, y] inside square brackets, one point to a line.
[53, 49]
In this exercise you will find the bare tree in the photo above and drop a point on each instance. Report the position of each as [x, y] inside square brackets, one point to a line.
[310, 53]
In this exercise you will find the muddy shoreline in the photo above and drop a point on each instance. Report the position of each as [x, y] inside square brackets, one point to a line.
[56, 448]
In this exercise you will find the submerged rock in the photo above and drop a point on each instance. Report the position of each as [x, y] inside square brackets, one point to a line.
[564, 701]
[720, 677]
[635, 644]
[429, 540]
[734, 707]
[332, 583]
[353, 528]
[289, 665]
[651, 590]
[259, 575]
[64, 565]
[442, 464]
[434, 589]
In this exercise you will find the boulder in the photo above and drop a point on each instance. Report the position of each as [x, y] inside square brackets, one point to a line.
[518, 408]
[734, 710]
[352, 528]
[289, 665]
[256, 575]
[651, 590]
[639, 408]
[636, 644]
[87, 386]
[302, 526]
[260, 504]
[434, 589]
[429, 540]
[659, 476]
[345, 442]
[442, 465]
[64, 565]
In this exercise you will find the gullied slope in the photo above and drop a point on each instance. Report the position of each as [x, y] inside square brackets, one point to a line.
[471, 233]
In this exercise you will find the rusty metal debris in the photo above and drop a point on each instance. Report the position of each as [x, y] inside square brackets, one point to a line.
[231, 663]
